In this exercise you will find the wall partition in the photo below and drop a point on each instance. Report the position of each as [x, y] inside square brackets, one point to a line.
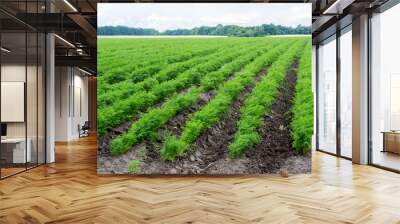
[22, 107]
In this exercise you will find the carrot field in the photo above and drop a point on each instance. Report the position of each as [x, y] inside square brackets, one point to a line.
[204, 105]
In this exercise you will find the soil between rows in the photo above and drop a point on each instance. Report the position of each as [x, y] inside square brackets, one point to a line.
[209, 147]
[209, 154]
[275, 151]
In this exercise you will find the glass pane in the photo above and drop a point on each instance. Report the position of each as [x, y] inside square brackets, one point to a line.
[41, 99]
[386, 89]
[327, 96]
[346, 94]
[31, 97]
[14, 153]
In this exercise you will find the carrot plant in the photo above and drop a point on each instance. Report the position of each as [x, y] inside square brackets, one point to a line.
[126, 109]
[303, 109]
[122, 90]
[210, 114]
[146, 127]
[259, 102]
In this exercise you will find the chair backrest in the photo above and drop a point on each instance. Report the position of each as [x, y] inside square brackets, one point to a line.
[86, 125]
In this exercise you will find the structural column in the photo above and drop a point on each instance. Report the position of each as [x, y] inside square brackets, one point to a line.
[50, 92]
[360, 90]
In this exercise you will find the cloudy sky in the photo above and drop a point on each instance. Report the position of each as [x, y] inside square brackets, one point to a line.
[171, 16]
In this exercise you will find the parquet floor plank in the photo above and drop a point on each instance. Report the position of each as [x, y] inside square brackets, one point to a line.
[70, 191]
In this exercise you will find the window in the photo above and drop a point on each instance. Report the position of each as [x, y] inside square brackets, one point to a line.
[385, 89]
[327, 95]
[346, 92]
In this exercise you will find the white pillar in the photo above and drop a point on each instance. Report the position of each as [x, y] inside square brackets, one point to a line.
[360, 90]
[50, 99]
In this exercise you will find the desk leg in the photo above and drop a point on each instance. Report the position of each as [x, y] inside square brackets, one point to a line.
[384, 142]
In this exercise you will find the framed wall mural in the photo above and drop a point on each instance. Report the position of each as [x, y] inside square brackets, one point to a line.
[204, 88]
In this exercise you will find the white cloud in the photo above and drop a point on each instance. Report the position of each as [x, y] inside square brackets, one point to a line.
[171, 16]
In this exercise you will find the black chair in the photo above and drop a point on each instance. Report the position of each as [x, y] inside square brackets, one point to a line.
[84, 130]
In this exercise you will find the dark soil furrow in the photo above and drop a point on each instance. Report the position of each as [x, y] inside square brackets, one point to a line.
[105, 141]
[176, 124]
[213, 144]
[275, 147]
[195, 161]
[153, 160]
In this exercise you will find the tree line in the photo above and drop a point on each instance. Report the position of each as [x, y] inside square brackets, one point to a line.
[219, 30]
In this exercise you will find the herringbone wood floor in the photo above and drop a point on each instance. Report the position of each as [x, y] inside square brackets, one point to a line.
[70, 191]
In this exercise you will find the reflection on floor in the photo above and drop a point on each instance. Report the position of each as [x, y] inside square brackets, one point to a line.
[70, 191]
[10, 171]
[387, 159]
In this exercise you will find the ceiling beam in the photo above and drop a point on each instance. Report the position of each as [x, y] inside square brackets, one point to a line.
[78, 61]
[86, 27]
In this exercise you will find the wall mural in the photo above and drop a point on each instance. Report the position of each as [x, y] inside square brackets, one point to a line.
[204, 89]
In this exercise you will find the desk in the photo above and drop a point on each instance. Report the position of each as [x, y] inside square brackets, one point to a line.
[16, 153]
[391, 141]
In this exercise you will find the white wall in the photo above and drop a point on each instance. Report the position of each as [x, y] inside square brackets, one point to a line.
[33, 126]
[71, 87]
[17, 72]
[14, 72]
[62, 82]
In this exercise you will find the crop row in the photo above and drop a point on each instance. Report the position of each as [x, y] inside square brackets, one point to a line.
[128, 59]
[124, 89]
[120, 53]
[126, 109]
[132, 83]
[303, 112]
[210, 114]
[146, 127]
[259, 102]
[136, 75]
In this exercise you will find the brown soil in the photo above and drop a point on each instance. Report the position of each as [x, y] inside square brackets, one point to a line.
[275, 148]
[104, 142]
[153, 163]
[209, 149]
[174, 125]
[212, 146]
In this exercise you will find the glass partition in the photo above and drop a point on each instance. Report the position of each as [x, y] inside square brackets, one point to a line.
[22, 78]
[13, 145]
[346, 92]
[327, 95]
[41, 91]
[31, 97]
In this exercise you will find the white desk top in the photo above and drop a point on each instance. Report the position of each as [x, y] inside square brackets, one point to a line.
[13, 140]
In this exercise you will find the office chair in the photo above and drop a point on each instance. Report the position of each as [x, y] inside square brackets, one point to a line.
[84, 130]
